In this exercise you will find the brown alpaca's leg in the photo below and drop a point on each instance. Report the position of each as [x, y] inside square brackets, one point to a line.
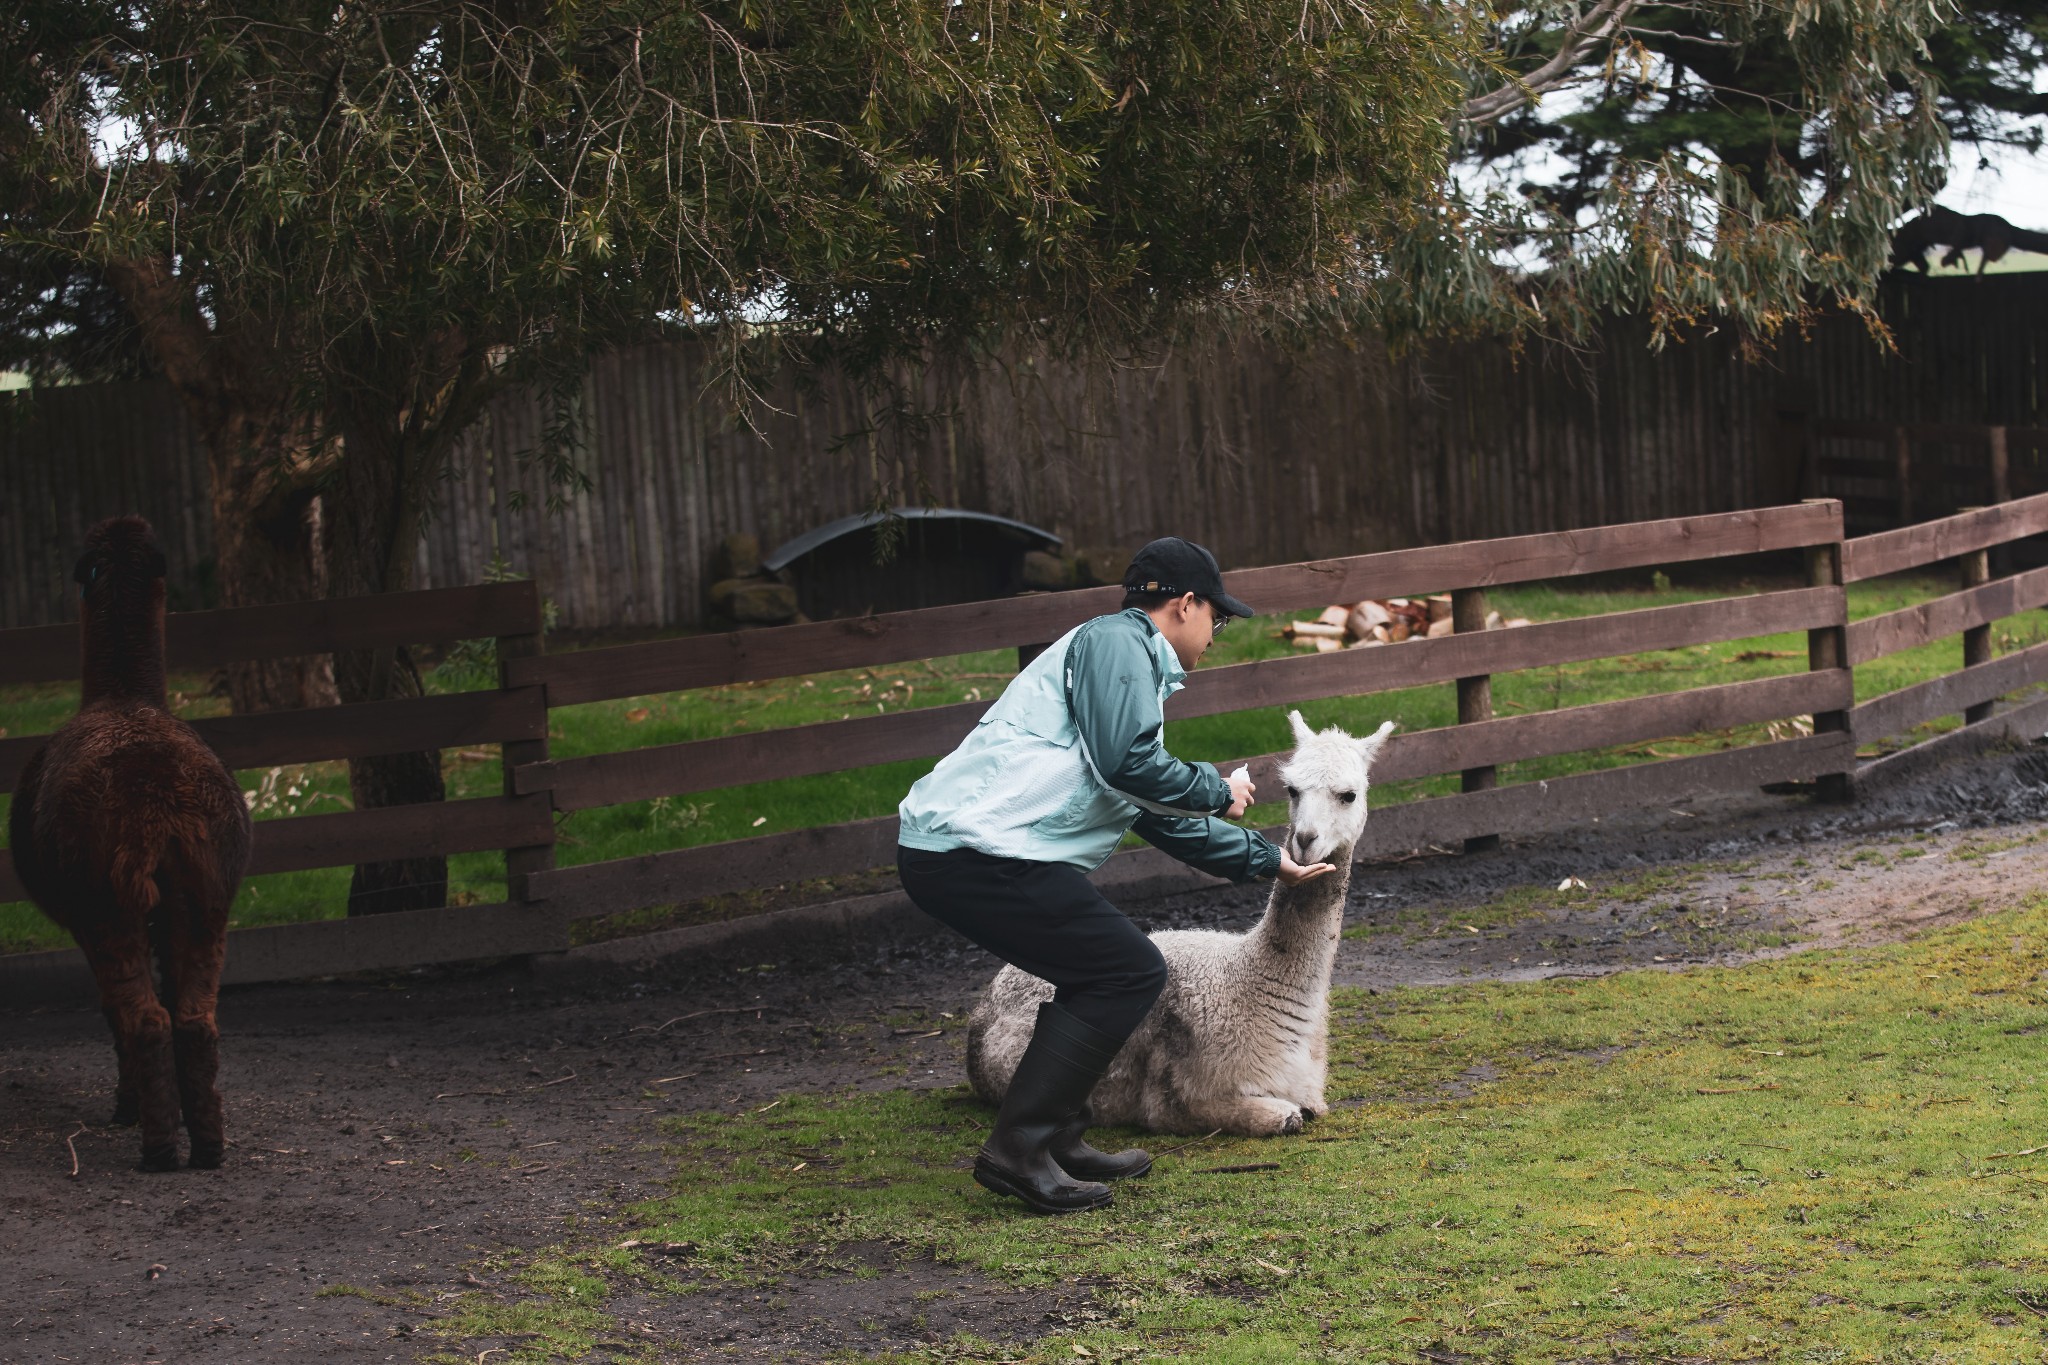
[125, 1111]
[197, 949]
[142, 1031]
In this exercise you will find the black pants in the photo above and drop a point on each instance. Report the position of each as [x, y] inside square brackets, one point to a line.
[1048, 920]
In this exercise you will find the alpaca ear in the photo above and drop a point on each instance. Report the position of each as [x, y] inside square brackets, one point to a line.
[1369, 747]
[1302, 734]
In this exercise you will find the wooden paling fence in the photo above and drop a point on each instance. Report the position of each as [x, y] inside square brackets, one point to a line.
[1894, 473]
[544, 899]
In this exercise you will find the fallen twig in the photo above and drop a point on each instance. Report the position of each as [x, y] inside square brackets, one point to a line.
[2027, 1151]
[699, 1014]
[68, 1142]
[2021, 1300]
[1185, 1145]
[1245, 1169]
[763, 1052]
[1733, 1089]
[664, 1080]
[459, 1094]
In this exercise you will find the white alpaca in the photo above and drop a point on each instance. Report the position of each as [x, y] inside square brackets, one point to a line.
[1240, 1037]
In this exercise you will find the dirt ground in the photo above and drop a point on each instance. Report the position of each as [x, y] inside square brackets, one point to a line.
[391, 1137]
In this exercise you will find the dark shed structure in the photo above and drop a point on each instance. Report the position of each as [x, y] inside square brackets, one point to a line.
[942, 555]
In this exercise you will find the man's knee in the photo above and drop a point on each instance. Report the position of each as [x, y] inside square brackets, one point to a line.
[1148, 974]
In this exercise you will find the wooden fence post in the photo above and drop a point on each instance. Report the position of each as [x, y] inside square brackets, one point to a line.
[535, 857]
[2001, 464]
[1902, 470]
[1976, 571]
[1026, 653]
[1475, 702]
[1827, 647]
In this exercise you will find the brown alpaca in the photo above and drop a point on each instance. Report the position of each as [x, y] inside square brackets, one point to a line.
[131, 834]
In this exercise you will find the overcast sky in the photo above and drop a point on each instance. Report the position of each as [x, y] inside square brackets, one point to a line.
[2015, 187]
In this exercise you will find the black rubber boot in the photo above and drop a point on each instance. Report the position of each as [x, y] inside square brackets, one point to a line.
[1069, 1147]
[1065, 1059]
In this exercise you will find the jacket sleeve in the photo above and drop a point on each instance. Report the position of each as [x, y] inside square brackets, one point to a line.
[1210, 845]
[1113, 694]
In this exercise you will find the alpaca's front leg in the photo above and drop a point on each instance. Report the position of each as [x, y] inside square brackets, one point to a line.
[1249, 1115]
[1311, 1093]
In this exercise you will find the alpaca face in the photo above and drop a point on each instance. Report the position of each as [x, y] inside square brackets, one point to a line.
[1326, 782]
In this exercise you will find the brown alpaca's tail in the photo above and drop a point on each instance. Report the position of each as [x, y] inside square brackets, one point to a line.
[151, 845]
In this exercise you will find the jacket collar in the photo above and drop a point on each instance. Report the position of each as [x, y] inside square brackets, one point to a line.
[1171, 675]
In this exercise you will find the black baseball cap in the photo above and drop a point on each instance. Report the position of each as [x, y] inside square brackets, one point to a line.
[1173, 566]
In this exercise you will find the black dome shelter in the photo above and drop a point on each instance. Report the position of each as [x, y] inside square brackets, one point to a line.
[944, 555]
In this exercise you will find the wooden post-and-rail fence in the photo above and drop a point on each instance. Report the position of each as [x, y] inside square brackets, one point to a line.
[543, 899]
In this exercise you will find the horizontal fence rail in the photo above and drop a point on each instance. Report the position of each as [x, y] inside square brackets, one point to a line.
[1952, 694]
[364, 730]
[208, 639]
[821, 646]
[544, 898]
[1929, 542]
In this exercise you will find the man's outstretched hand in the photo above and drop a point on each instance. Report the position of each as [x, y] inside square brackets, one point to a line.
[1241, 791]
[1294, 874]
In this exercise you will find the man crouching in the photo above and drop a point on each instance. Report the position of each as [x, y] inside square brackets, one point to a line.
[997, 842]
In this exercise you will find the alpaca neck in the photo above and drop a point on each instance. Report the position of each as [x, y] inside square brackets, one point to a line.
[122, 636]
[1302, 922]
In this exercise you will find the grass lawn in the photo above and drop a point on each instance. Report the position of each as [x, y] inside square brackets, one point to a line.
[1832, 1157]
[641, 827]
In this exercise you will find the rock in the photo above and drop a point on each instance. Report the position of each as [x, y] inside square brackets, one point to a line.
[1043, 572]
[1439, 629]
[754, 601]
[737, 556]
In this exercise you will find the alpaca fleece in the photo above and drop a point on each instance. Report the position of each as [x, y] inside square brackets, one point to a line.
[1239, 1039]
[130, 834]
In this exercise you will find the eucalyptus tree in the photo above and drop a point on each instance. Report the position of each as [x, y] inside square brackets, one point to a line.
[338, 228]
[1745, 160]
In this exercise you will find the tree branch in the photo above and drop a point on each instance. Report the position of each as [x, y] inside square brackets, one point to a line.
[1597, 25]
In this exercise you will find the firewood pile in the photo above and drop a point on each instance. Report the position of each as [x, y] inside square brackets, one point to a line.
[1362, 625]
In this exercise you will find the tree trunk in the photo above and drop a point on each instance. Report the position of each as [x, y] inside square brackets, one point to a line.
[267, 549]
[265, 458]
[373, 527]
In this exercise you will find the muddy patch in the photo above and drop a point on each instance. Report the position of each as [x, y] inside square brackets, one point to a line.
[863, 1299]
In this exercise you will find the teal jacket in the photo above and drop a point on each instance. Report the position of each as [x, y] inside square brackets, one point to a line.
[1069, 759]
